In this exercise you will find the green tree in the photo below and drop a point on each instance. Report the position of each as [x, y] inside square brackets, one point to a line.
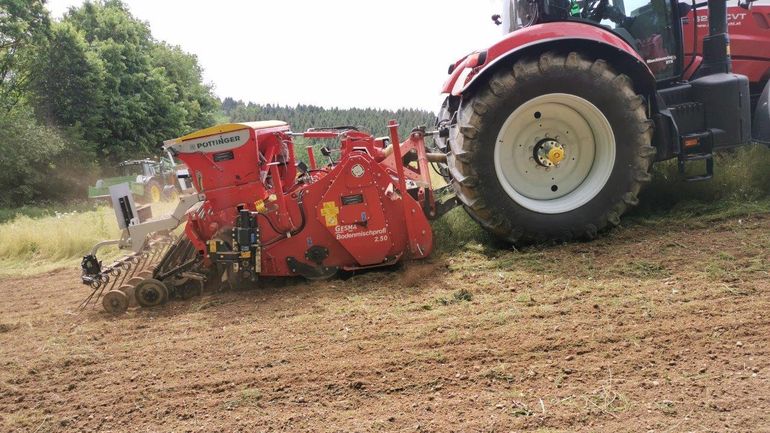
[185, 74]
[69, 86]
[23, 23]
[104, 76]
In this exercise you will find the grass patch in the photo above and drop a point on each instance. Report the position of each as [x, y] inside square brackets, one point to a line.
[606, 401]
[739, 187]
[42, 210]
[456, 231]
[207, 304]
[643, 270]
[727, 268]
[525, 298]
[37, 240]
[433, 356]
[248, 397]
[461, 295]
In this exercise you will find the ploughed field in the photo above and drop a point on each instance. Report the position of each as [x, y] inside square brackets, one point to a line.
[653, 327]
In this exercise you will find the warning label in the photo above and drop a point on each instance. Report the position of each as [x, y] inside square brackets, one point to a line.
[330, 212]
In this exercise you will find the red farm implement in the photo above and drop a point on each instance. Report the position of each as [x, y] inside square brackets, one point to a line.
[257, 211]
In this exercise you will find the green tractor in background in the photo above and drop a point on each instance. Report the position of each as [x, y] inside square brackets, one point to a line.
[150, 181]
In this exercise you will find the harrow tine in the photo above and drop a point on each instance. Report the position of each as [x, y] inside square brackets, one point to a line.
[137, 262]
[160, 248]
[98, 296]
[126, 267]
[95, 286]
[115, 272]
[142, 262]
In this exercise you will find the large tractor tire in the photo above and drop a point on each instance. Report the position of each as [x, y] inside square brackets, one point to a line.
[153, 192]
[555, 148]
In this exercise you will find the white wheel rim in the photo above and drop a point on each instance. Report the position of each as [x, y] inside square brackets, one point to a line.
[589, 146]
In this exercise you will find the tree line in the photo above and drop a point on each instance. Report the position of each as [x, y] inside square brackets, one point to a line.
[82, 93]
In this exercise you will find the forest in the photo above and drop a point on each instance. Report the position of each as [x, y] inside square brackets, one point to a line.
[81, 93]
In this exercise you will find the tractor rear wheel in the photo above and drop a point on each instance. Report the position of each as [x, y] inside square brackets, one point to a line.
[554, 148]
[153, 192]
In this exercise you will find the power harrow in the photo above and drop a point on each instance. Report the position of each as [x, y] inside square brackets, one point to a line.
[258, 211]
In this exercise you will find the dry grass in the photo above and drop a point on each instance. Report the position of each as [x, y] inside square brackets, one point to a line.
[31, 245]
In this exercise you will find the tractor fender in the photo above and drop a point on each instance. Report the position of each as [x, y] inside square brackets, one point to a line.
[563, 36]
[761, 123]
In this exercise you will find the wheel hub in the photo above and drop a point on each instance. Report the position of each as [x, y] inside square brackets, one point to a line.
[549, 152]
[554, 153]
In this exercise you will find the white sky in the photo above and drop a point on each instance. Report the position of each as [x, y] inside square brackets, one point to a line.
[343, 53]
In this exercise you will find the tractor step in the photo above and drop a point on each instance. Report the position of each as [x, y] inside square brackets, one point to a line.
[708, 157]
[697, 147]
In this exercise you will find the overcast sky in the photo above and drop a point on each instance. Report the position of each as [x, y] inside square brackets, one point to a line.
[344, 53]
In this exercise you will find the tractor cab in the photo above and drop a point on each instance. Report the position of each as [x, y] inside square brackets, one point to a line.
[648, 26]
[144, 167]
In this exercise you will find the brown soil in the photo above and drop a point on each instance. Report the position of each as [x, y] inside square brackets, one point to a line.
[651, 328]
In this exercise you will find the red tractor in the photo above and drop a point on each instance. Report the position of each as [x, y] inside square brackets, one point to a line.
[548, 134]
[551, 132]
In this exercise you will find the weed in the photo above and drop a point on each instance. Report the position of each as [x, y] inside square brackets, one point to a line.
[247, 397]
[525, 298]
[643, 270]
[667, 407]
[463, 295]
[251, 395]
[500, 373]
[457, 297]
[521, 409]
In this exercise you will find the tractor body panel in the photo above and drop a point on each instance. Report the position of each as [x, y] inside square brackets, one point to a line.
[749, 39]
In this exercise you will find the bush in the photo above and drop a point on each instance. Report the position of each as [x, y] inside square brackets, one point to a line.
[27, 155]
